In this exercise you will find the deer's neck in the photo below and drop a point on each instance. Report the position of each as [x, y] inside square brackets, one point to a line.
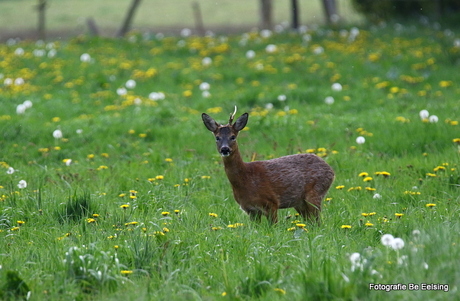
[235, 168]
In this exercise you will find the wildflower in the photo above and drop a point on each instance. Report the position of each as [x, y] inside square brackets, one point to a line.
[430, 205]
[345, 226]
[165, 213]
[204, 86]
[271, 48]
[130, 84]
[291, 229]
[369, 224]
[336, 87]
[387, 240]
[363, 174]
[10, 170]
[159, 177]
[216, 228]
[340, 187]
[360, 140]
[370, 189]
[399, 215]
[21, 109]
[20, 223]
[433, 119]
[57, 134]
[367, 179]
[428, 174]
[126, 272]
[382, 173]
[85, 58]
[15, 229]
[91, 220]
[213, 214]
[206, 61]
[280, 291]
[424, 114]
[206, 177]
[22, 184]
[176, 211]
[329, 100]
[301, 225]
[169, 160]
[456, 140]
[250, 54]
[124, 206]
[397, 243]
[67, 162]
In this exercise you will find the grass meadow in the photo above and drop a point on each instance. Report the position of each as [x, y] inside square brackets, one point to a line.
[111, 186]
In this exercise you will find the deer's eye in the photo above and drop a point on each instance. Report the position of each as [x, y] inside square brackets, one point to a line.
[217, 138]
[233, 138]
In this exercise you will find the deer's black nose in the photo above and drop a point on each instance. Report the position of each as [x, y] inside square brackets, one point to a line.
[225, 151]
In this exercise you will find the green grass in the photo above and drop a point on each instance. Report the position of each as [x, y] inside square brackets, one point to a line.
[129, 217]
[66, 16]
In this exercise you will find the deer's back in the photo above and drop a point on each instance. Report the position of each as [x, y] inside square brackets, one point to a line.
[289, 177]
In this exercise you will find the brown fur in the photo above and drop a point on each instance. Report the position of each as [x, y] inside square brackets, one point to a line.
[262, 187]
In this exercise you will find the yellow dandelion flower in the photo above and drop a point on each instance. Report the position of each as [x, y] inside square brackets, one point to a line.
[428, 174]
[367, 179]
[345, 226]
[126, 272]
[160, 177]
[363, 174]
[165, 213]
[456, 140]
[280, 291]
[369, 224]
[430, 205]
[399, 215]
[213, 214]
[365, 214]
[370, 189]
[124, 206]
[340, 187]
[90, 156]
[301, 225]
[216, 228]
[169, 160]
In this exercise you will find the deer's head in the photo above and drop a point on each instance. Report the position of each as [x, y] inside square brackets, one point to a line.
[225, 134]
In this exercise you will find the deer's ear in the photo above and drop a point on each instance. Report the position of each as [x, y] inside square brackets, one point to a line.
[210, 123]
[241, 122]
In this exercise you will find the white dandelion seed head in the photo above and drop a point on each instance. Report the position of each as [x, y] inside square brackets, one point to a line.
[122, 91]
[269, 106]
[52, 53]
[57, 134]
[397, 243]
[360, 140]
[10, 170]
[22, 184]
[266, 33]
[39, 52]
[387, 239]
[205, 86]
[206, 61]
[306, 38]
[318, 50]
[250, 54]
[424, 114]
[282, 97]
[27, 104]
[433, 119]
[329, 100]
[19, 51]
[271, 48]
[425, 266]
[8, 81]
[130, 84]
[336, 87]
[377, 196]
[206, 94]
[20, 109]
[79, 131]
[68, 162]
[19, 81]
[355, 257]
[186, 32]
[156, 96]
[416, 232]
[85, 58]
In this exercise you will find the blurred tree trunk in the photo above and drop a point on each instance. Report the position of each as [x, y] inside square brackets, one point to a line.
[126, 26]
[41, 7]
[295, 14]
[330, 9]
[266, 13]
[198, 18]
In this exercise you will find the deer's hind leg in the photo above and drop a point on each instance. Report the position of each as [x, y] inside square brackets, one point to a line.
[310, 207]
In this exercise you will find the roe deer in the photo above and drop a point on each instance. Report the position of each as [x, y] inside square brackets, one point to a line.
[262, 187]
